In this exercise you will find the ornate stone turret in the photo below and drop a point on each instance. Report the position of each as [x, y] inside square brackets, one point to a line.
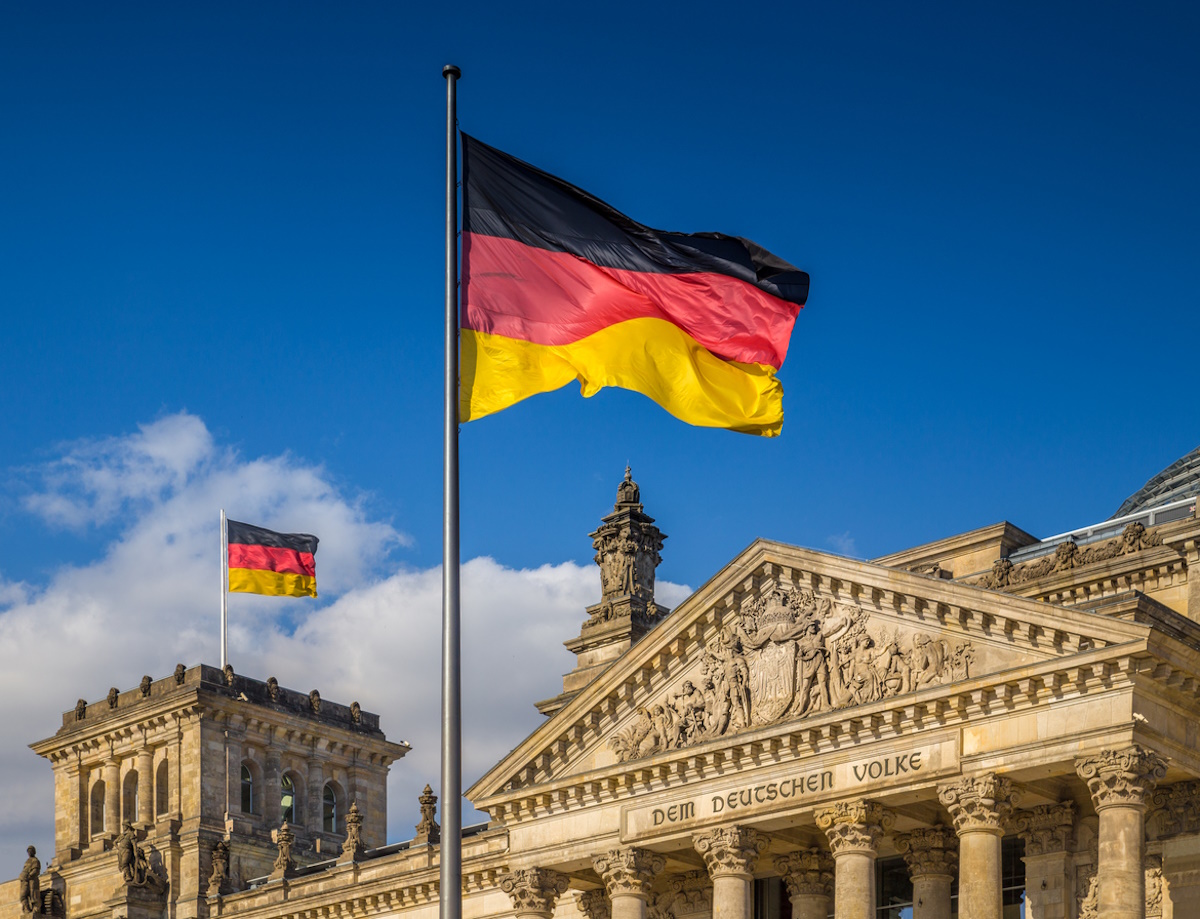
[627, 545]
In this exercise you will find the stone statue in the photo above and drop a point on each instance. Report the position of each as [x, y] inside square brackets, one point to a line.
[180, 673]
[113, 693]
[133, 863]
[273, 688]
[428, 829]
[353, 846]
[284, 840]
[81, 709]
[355, 713]
[220, 868]
[144, 686]
[31, 891]
[227, 672]
[314, 700]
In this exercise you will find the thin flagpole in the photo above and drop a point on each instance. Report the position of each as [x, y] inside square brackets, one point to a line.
[224, 591]
[450, 898]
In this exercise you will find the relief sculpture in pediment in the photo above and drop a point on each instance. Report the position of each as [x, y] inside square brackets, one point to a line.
[790, 655]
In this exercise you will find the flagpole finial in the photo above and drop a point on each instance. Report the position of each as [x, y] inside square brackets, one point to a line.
[451, 71]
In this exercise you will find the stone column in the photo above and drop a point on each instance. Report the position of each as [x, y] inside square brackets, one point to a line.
[854, 829]
[534, 891]
[145, 783]
[314, 807]
[808, 876]
[1048, 831]
[932, 864]
[979, 806]
[627, 874]
[1120, 782]
[112, 797]
[730, 854]
[175, 772]
[272, 788]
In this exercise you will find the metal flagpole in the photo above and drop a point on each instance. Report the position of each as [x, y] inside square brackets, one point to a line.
[450, 897]
[224, 591]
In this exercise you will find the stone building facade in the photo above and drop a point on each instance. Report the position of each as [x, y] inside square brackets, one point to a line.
[985, 727]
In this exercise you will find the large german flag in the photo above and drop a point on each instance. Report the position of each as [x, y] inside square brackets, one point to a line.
[559, 286]
[265, 562]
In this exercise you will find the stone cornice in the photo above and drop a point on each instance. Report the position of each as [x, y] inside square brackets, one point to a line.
[1104, 669]
[1003, 534]
[898, 598]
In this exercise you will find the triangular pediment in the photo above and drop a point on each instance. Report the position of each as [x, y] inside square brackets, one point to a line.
[784, 637]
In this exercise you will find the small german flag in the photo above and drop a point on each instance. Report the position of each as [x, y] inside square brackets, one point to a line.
[265, 562]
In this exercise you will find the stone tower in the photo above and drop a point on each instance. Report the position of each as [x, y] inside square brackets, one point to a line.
[150, 781]
[627, 545]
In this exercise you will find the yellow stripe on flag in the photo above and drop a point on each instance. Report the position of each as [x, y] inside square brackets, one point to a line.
[271, 583]
[647, 355]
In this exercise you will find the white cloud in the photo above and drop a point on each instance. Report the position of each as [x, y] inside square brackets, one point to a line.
[843, 544]
[151, 600]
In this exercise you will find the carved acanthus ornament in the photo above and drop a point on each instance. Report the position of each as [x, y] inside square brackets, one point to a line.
[1068, 555]
[594, 904]
[689, 894]
[1177, 809]
[1154, 886]
[1047, 829]
[854, 826]
[930, 851]
[1121, 777]
[730, 850]
[789, 655]
[978, 803]
[629, 871]
[220, 869]
[534, 890]
[808, 872]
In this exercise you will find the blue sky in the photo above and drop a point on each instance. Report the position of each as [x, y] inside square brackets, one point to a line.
[221, 261]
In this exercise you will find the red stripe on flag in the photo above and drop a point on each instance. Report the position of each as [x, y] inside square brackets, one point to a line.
[265, 558]
[554, 298]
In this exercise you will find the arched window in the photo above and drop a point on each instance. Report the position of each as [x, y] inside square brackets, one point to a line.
[329, 810]
[247, 790]
[162, 794]
[287, 799]
[97, 816]
[129, 797]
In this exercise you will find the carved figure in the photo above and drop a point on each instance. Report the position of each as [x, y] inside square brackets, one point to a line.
[355, 713]
[895, 674]
[81, 709]
[227, 672]
[220, 868]
[31, 891]
[284, 840]
[429, 827]
[314, 700]
[927, 660]
[126, 846]
[688, 705]
[180, 673]
[273, 688]
[113, 693]
[144, 686]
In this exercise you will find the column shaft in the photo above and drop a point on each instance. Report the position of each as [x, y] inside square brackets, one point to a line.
[980, 881]
[1048, 887]
[931, 896]
[145, 783]
[810, 906]
[112, 797]
[854, 885]
[272, 789]
[733, 896]
[1122, 844]
[628, 906]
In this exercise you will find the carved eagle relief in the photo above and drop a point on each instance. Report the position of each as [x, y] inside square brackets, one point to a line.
[790, 655]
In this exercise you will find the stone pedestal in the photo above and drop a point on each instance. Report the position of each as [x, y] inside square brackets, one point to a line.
[978, 806]
[854, 829]
[808, 876]
[628, 874]
[534, 891]
[731, 854]
[932, 864]
[137, 903]
[1120, 782]
[1048, 833]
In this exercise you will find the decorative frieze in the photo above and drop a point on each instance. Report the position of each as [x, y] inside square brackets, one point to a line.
[1067, 556]
[978, 803]
[1047, 828]
[808, 872]
[854, 825]
[534, 890]
[930, 851]
[629, 871]
[1121, 777]
[730, 850]
[790, 654]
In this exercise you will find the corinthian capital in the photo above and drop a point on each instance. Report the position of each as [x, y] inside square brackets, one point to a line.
[978, 803]
[809, 871]
[594, 904]
[629, 871]
[1121, 777]
[730, 850]
[534, 891]
[930, 851]
[1047, 828]
[855, 826]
